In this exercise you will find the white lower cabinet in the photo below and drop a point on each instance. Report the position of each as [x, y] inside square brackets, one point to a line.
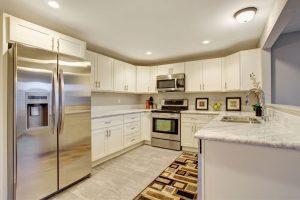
[115, 133]
[99, 143]
[115, 139]
[146, 126]
[192, 123]
[187, 135]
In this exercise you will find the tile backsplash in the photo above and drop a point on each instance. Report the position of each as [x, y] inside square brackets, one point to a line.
[213, 98]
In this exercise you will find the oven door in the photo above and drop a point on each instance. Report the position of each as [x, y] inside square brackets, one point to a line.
[166, 128]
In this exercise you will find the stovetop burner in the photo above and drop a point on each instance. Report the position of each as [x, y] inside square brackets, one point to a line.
[173, 106]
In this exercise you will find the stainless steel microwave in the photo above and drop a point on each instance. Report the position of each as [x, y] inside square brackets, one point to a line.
[171, 83]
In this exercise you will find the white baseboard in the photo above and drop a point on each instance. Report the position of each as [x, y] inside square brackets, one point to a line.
[116, 154]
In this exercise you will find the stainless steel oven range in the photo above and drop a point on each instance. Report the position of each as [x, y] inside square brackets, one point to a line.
[166, 131]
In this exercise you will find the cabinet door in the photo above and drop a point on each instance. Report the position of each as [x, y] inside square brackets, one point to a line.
[130, 77]
[177, 68]
[146, 126]
[193, 72]
[92, 57]
[119, 76]
[143, 79]
[231, 72]
[71, 46]
[31, 34]
[105, 73]
[163, 69]
[250, 63]
[99, 138]
[187, 134]
[212, 75]
[115, 139]
[152, 82]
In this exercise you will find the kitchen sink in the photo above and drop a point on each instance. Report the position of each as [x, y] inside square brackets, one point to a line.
[241, 119]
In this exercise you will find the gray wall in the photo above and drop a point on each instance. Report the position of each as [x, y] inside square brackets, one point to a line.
[286, 70]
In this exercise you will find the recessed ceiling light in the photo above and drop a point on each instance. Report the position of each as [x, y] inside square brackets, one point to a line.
[245, 15]
[53, 4]
[148, 52]
[206, 42]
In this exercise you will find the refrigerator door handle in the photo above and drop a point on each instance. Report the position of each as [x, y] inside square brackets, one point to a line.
[55, 100]
[61, 101]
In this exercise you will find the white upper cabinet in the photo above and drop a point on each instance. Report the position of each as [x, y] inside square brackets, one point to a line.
[93, 58]
[130, 78]
[250, 63]
[70, 46]
[193, 73]
[143, 79]
[119, 76]
[124, 77]
[163, 69]
[152, 83]
[212, 75]
[101, 71]
[231, 72]
[105, 72]
[176, 68]
[31, 34]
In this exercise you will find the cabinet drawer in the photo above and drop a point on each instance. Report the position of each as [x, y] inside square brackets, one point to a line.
[130, 139]
[107, 122]
[131, 128]
[132, 117]
[197, 118]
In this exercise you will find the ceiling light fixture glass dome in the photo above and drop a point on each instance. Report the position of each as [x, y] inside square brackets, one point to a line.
[245, 15]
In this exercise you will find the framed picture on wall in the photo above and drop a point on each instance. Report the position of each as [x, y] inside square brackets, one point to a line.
[233, 103]
[201, 103]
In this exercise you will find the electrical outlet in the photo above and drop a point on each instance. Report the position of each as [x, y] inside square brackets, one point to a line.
[119, 100]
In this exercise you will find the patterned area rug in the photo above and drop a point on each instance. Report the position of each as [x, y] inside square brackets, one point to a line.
[177, 182]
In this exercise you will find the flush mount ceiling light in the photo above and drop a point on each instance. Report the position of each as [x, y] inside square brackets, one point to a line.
[148, 52]
[53, 4]
[206, 41]
[245, 15]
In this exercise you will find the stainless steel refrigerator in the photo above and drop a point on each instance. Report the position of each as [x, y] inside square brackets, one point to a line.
[49, 122]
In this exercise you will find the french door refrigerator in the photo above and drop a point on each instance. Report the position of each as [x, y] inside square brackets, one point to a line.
[49, 122]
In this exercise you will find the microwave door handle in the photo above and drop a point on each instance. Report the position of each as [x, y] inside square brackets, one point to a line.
[61, 101]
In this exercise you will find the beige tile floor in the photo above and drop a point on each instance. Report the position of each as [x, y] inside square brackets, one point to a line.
[124, 177]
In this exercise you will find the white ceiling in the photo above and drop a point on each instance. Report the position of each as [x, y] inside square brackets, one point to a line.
[294, 24]
[172, 29]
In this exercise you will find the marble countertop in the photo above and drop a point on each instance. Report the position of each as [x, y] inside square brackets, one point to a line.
[201, 112]
[117, 112]
[282, 131]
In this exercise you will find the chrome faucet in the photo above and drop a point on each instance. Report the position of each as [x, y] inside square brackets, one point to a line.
[258, 92]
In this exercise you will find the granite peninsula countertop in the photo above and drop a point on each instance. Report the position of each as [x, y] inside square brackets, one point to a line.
[281, 131]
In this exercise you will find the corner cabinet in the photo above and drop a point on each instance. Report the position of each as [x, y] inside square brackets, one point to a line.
[25, 32]
[250, 63]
